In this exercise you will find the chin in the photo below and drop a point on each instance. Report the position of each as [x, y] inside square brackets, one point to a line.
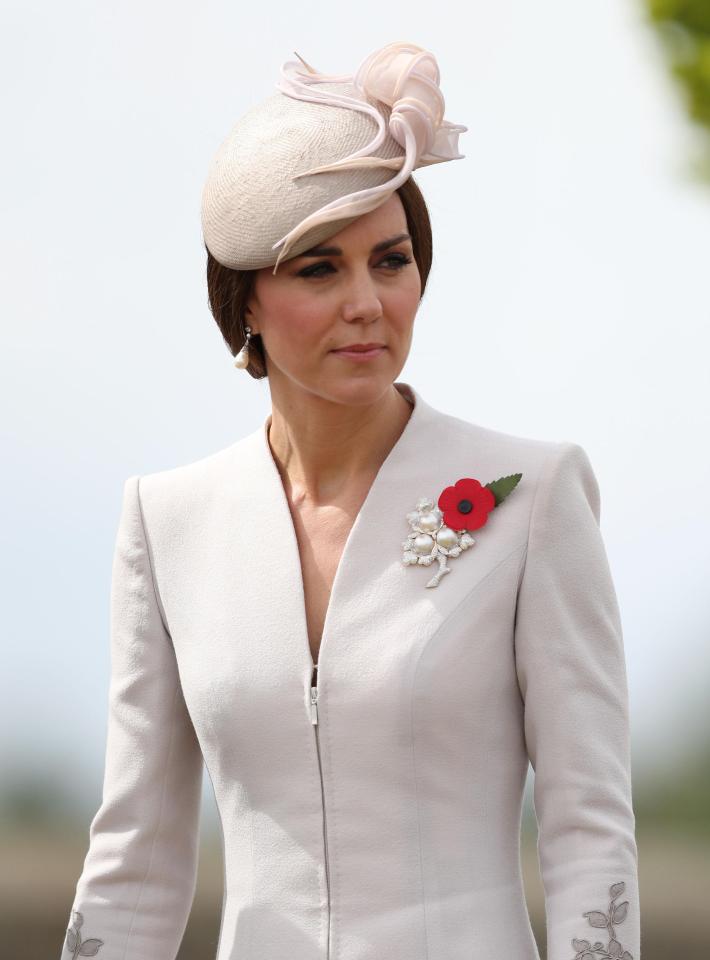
[361, 387]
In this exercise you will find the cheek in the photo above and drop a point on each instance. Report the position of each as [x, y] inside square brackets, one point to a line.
[401, 301]
[294, 320]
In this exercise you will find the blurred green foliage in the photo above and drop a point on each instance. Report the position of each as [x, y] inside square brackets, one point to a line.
[684, 30]
[679, 800]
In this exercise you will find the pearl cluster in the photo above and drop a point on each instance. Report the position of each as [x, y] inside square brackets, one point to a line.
[430, 539]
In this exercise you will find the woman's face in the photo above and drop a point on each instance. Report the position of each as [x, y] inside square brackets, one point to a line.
[348, 293]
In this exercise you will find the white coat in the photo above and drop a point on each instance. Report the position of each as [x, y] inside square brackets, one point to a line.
[376, 817]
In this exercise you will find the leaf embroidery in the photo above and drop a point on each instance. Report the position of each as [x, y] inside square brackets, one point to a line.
[597, 918]
[74, 944]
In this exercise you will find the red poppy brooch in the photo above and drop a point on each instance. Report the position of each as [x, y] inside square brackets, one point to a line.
[442, 531]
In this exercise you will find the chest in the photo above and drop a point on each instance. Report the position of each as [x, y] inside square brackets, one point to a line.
[321, 533]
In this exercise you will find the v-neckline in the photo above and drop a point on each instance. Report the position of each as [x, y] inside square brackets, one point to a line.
[294, 554]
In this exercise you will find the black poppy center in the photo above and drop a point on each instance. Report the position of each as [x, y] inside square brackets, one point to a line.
[465, 506]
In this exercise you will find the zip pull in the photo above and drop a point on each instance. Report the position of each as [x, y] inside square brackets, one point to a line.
[314, 705]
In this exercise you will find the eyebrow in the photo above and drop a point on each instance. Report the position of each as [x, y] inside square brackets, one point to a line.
[336, 251]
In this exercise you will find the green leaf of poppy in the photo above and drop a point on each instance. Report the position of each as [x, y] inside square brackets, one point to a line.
[503, 486]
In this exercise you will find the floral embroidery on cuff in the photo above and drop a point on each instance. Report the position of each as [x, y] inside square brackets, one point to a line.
[74, 944]
[597, 918]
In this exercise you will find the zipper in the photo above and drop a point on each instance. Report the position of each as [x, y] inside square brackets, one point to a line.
[314, 722]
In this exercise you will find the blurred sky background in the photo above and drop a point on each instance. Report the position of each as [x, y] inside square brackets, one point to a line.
[568, 300]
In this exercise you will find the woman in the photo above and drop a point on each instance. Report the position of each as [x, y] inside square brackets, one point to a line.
[367, 724]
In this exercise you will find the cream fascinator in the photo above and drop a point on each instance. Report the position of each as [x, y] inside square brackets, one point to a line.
[305, 162]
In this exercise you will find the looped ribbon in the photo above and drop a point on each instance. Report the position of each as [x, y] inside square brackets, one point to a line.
[403, 76]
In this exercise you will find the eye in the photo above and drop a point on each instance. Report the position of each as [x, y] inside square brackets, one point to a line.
[313, 271]
[397, 261]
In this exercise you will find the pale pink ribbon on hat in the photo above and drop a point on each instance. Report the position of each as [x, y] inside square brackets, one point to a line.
[403, 76]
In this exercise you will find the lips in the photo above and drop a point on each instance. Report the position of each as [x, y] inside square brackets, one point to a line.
[359, 347]
[360, 352]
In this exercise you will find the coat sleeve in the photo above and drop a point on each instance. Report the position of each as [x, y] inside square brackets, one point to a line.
[135, 892]
[572, 676]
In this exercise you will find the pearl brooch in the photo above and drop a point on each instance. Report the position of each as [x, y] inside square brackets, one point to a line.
[442, 530]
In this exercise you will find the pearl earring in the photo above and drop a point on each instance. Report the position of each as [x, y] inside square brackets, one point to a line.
[242, 358]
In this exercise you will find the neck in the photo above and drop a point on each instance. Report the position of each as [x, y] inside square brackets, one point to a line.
[325, 449]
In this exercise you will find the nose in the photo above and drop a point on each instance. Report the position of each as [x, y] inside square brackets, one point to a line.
[361, 302]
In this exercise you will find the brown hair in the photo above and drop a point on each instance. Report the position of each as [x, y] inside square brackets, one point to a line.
[228, 290]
